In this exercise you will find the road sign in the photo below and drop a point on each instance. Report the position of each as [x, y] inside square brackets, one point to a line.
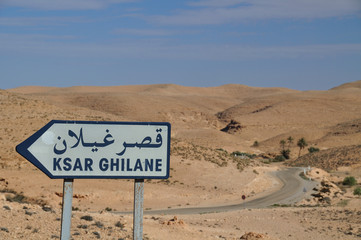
[85, 149]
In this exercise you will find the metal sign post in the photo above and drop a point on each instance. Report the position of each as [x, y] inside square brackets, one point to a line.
[85, 149]
[67, 207]
[138, 209]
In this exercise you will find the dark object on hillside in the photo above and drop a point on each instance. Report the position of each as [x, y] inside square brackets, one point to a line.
[232, 127]
[350, 181]
[262, 109]
[87, 218]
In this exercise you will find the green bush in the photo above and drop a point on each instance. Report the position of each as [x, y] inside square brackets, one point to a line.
[279, 158]
[357, 191]
[221, 149]
[286, 153]
[313, 149]
[350, 181]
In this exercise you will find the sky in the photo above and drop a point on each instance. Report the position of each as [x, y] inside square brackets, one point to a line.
[297, 44]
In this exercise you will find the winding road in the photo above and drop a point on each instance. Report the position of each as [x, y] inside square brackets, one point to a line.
[293, 190]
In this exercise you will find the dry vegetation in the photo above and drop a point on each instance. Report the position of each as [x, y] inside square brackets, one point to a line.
[331, 159]
[219, 156]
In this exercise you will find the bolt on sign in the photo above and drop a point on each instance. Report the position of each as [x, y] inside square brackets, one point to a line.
[82, 149]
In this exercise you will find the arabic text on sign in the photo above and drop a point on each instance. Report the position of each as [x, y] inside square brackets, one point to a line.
[107, 140]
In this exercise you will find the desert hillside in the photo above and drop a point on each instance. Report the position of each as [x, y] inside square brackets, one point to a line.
[224, 142]
[356, 84]
[266, 115]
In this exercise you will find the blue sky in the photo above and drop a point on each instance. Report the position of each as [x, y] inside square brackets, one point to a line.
[299, 44]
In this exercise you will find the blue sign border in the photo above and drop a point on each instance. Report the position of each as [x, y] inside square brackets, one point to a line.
[22, 149]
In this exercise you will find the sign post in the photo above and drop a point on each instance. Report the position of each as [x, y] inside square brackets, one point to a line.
[138, 209]
[85, 149]
[66, 210]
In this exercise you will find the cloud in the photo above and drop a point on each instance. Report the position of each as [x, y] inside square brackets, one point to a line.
[47, 45]
[63, 4]
[215, 3]
[212, 12]
[143, 32]
[40, 21]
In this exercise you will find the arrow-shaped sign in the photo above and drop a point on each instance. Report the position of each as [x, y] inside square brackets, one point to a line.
[85, 149]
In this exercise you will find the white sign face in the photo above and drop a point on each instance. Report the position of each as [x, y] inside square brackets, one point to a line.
[79, 149]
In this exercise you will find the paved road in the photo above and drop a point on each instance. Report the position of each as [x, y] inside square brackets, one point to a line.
[293, 190]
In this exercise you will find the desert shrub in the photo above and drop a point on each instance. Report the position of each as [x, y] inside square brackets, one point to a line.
[82, 226]
[255, 144]
[243, 154]
[87, 218]
[221, 149]
[4, 229]
[313, 149]
[350, 181]
[281, 205]
[99, 224]
[237, 153]
[357, 191]
[18, 197]
[286, 153]
[120, 225]
[96, 234]
[266, 161]
[279, 158]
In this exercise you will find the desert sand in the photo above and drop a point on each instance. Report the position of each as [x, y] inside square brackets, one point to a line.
[203, 172]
